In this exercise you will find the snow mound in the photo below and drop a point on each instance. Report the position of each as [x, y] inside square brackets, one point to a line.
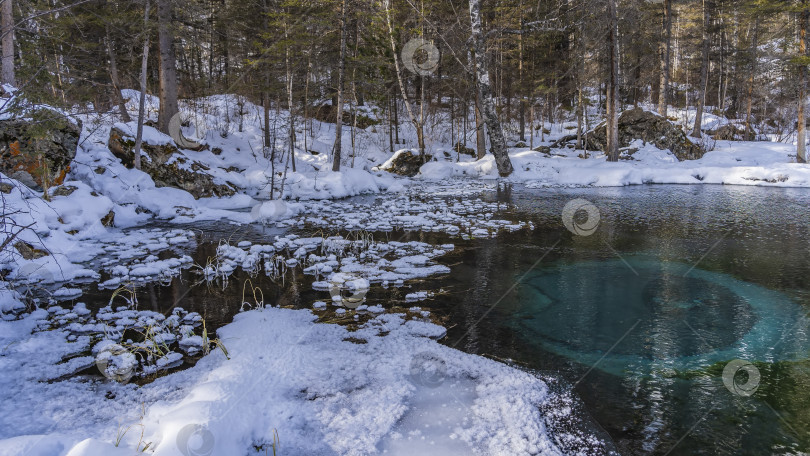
[325, 394]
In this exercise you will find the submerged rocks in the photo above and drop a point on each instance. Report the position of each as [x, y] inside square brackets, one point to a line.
[167, 166]
[37, 151]
[407, 163]
[647, 126]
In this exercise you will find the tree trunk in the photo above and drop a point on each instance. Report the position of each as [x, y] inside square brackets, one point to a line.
[749, 97]
[7, 27]
[704, 74]
[480, 139]
[496, 138]
[142, 100]
[666, 50]
[612, 94]
[341, 77]
[116, 80]
[417, 123]
[291, 115]
[168, 66]
[801, 150]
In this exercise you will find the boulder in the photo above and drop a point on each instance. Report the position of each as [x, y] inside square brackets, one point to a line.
[463, 149]
[649, 127]
[731, 132]
[167, 166]
[407, 164]
[38, 150]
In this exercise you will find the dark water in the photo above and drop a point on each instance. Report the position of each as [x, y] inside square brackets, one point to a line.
[641, 317]
[638, 319]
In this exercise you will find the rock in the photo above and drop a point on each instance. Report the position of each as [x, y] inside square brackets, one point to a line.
[407, 164]
[38, 151]
[63, 190]
[520, 144]
[730, 132]
[6, 188]
[163, 165]
[109, 219]
[543, 149]
[463, 149]
[650, 128]
[28, 251]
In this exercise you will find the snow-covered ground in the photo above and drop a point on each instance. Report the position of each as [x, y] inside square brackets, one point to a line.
[390, 387]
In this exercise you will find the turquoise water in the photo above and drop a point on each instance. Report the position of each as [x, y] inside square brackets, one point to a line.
[637, 312]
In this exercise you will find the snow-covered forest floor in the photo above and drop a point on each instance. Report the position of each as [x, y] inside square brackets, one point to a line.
[387, 387]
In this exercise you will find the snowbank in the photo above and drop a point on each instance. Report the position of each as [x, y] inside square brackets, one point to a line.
[391, 387]
[738, 163]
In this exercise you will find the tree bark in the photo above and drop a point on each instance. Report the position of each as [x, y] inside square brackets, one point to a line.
[749, 97]
[666, 50]
[612, 94]
[168, 66]
[704, 74]
[496, 138]
[7, 27]
[341, 76]
[801, 149]
[480, 139]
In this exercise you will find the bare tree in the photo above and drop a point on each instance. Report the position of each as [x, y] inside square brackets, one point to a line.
[418, 123]
[704, 73]
[341, 77]
[7, 26]
[142, 99]
[666, 51]
[168, 66]
[115, 78]
[612, 127]
[496, 138]
[801, 150]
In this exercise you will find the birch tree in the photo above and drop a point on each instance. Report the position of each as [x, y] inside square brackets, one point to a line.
[496, 139]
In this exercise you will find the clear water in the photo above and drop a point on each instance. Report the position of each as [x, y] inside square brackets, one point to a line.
[640, 318]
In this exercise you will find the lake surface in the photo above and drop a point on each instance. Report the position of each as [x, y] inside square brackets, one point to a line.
[638, 321]
[641, 317]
